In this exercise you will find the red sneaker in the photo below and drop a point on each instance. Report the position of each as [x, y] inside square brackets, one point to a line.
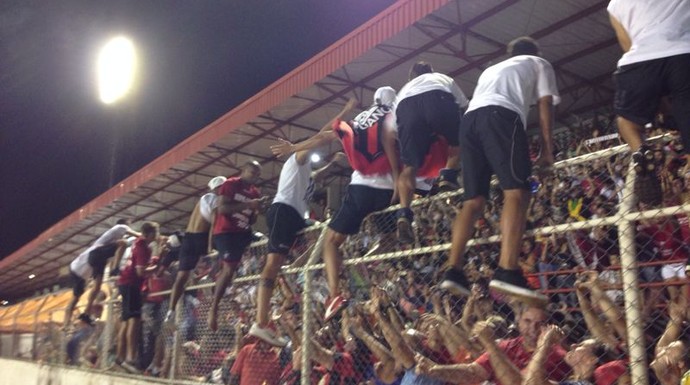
[334, 306]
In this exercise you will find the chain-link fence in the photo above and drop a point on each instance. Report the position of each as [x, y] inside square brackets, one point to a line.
[609, 250]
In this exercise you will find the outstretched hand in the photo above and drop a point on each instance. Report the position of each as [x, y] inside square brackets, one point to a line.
[283, 148]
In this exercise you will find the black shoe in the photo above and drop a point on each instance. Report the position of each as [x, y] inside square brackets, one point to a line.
[448, 180]
[405, 233]
[514, 284]
[643, 161]
[455, 282]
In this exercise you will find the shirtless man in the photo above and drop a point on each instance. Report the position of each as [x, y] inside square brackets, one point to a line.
[195, 243]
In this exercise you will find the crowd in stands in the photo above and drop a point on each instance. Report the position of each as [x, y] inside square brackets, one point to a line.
[400, 327]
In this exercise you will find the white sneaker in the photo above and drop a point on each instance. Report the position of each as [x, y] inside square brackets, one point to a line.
[267, 335]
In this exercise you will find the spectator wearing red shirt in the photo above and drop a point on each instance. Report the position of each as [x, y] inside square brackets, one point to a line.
[518, 350]
[256, 364]
[129, 285]
[240, 203]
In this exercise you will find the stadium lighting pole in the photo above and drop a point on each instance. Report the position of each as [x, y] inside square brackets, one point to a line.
[116, 69]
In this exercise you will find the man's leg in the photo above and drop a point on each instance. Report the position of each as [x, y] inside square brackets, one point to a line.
[224, 280]
[631, 133]
[406, 185]
[97, 282]
[274, 261]
[463, 229]
[333, 261]
[133, 325]
[508, 278]
[119, 252]
[121, 348]
[513, 223]
[175, 294]
[70, 309]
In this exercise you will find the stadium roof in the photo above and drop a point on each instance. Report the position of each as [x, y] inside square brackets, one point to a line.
[460, 38]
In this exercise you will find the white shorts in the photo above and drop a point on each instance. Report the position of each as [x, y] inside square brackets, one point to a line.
[674, 270]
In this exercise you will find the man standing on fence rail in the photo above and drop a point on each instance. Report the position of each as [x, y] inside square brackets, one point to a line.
[493, 141]
[240, 204]
[195, 243]
[655, 38]
[369, 141]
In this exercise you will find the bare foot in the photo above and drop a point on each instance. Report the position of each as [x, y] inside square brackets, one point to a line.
[212, 320]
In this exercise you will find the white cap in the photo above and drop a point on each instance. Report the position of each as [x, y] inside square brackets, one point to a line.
[384, 96]
[216, 182]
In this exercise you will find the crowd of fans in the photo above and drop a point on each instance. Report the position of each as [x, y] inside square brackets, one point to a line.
[399, 327]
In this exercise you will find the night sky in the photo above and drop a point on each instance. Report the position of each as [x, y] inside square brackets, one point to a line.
[198, 59]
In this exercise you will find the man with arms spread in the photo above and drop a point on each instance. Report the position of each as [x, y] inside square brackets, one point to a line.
[92, 262]
[371, 186]
[240, 203]
[195, 242]
[493, 141]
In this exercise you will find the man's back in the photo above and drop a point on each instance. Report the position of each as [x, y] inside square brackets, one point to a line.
[657, 28]
[515, 83]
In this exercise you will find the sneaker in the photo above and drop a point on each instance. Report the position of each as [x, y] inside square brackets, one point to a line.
[334, 306]
[513, 283]
[448, 180]
[455, 282]
[267, 335]
[405, 233]
[643, 161]
[130, 367]
[169, 319]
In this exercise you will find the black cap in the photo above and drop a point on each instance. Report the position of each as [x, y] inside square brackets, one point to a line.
[86, 318]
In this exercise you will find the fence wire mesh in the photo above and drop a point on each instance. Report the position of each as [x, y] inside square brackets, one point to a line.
[609, 254]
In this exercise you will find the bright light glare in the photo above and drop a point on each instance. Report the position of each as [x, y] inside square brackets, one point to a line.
[32, 276]
[315, 158]
[116, 67]
[5, 302]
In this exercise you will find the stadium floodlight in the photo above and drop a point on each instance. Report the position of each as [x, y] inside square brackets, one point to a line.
[116, 69]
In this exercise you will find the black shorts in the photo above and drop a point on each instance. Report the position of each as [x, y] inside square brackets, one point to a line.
[99, 256]
[78, 284]
[359, 202]
[231, 246]
[421, 118]
[131, 301]
[640, 87]
[493, 141]
[194, 246]
[284, 222]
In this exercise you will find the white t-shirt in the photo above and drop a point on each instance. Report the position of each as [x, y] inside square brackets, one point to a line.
[207, 205]
[515, 83]
[656, 28]
[433, 81]
[293, 185]
[80, 265]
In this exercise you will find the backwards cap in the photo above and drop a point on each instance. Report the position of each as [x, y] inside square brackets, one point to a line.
[384, 96]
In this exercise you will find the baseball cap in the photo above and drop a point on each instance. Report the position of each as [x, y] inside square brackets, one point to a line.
[216, 182]
[384, 96]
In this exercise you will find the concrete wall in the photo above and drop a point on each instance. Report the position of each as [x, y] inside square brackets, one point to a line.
[15, 372]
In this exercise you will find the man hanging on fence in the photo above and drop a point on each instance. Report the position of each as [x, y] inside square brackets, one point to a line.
[656, 64]
[92, 262]
[493, 141]
[240, 204]
[195, 243]
[369, 142]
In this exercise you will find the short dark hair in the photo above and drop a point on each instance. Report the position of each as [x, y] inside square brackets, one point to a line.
[420, 68]
[148, 228]
[122, 221]
[523, 45]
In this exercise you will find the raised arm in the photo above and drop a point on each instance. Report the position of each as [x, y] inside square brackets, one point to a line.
[535, 374]
[594, 324]
[459, 374]
[504, 370]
